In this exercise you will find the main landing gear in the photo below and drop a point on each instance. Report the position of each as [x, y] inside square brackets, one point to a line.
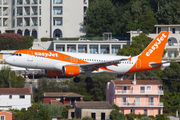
[77, 80]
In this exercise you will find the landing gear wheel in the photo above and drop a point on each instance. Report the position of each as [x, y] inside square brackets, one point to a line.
[88, 80]
[76, 80]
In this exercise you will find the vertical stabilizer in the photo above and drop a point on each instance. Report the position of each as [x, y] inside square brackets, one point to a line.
[154, 51]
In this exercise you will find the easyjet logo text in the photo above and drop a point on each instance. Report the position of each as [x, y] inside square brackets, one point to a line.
[156, 44]
[46, 54]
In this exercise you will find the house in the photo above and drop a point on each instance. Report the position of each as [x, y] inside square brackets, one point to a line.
[140, 97]
[67, 98]
[98, 110]
[15, 98]
[4, 115]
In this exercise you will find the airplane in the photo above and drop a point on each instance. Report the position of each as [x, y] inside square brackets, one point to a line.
[72, 64]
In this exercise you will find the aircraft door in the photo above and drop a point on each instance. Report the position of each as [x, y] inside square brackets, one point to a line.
[138, 64]
[30, 56]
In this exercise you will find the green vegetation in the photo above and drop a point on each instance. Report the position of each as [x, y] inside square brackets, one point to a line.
[87, 118]
[16, 81]
[120, 16]
[12, 41]
[52, 110]
[91, 91]
[116, 115]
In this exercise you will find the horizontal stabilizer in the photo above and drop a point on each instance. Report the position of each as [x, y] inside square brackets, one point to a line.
[164, 64]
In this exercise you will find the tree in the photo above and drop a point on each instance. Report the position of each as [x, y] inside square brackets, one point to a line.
[16, 81]
[116, 115]
[100, 17]
[168, 12]
[45, 85]
[138, 44]
[12, 41]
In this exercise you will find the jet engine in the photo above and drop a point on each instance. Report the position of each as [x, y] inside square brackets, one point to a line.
[53, 73]
[68, 70]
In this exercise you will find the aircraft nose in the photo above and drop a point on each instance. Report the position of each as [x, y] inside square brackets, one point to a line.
[8, 60]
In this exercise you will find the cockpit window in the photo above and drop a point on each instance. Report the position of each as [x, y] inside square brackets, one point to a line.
[13, 54]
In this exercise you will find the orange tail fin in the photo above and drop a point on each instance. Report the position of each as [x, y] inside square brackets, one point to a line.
[154, 51]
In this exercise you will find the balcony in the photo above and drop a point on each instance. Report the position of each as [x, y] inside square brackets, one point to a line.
[139, 104]
[144, 92]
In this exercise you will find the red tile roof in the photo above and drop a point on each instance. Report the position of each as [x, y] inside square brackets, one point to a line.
[93, 105]
[138, 82]
[61, 94]
[15, 91]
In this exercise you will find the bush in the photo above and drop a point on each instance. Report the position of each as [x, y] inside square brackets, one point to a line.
[13, 41]
[116, 115]
[146, 118]
[46, 39]
[87, 118]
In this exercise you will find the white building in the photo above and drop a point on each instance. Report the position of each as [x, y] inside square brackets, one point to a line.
[43, 18]
[15, 98]
[173, 42]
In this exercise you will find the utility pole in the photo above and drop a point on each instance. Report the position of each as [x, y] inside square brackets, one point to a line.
[9, 78]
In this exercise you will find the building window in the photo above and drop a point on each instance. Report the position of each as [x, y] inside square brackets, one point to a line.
[39, 10]
[151, 101]
[104, 49]
[10, 96]
[93, 116]
[57, 1]
[159, 111]
[94, 49]
[39, 1]
[21, 96]
[132, 111]
[115, 48]
[85, 1]
[2, 117]
[102, 116]
[173, 30]
[142, 89]
[122, 111]
[145, 111]
[159, 29]
[148, 88]
[57, 22]
[40, 21]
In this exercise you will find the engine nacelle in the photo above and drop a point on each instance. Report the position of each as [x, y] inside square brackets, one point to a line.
[68, 70]
[53, 73]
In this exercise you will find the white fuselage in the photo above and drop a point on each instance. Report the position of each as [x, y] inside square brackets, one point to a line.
[39, 62]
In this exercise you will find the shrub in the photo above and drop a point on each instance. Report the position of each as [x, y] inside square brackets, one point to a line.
[146, 118]
[87, 118]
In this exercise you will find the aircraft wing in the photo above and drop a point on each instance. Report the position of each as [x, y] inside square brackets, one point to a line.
[96, 65]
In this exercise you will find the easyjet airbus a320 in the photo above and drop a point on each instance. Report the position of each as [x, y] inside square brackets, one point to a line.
[72, 64]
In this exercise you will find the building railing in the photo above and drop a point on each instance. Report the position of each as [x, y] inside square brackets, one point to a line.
[139, 104]
[139, 92]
